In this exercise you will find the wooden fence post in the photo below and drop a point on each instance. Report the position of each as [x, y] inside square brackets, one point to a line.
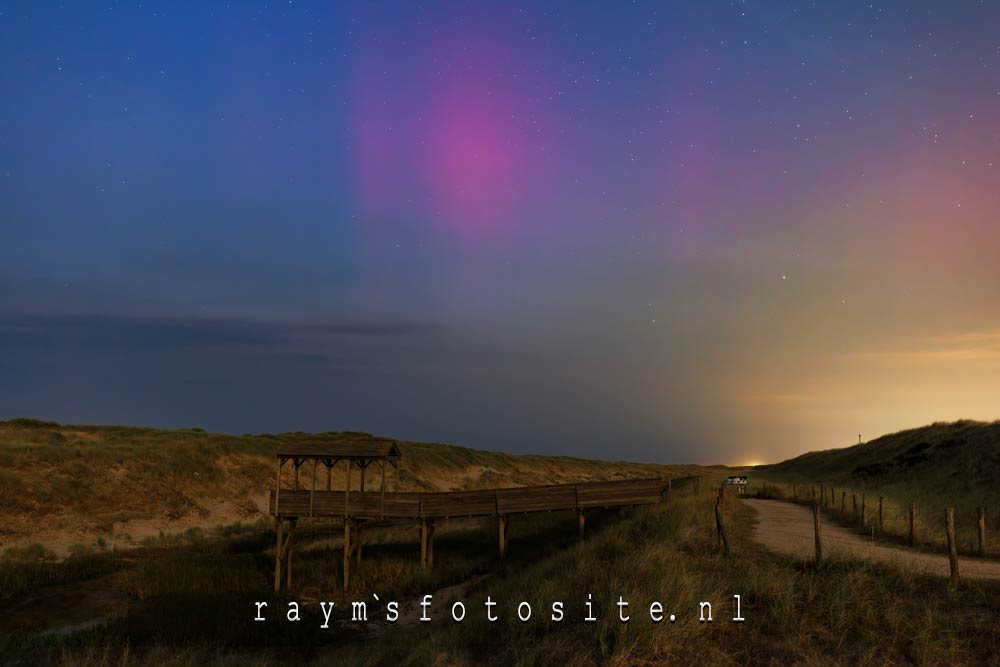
[854, 506]
[721, 529]
[843, 502]
[949, 520]
[819, 533]
[822, 495]
[913, 532]
[581, 521]
[981, 518]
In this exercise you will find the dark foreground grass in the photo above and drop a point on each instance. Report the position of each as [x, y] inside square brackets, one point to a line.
[194, 605]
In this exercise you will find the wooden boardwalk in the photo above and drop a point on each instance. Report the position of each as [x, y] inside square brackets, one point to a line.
[373, 505]
[359, 508]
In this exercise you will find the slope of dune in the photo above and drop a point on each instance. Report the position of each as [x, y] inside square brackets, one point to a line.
[66, 486]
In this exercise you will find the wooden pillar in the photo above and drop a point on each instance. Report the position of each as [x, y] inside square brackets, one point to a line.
[289, 547]
[277, 486]
[843, 502]
[329, 475]
[381, 510]
[949, 524]
[278, 525]
[312, 488]
[581, 520]
[818, 530]
[358, 538]
[364, 470]
[430, 544]
[881, 525]
[795, 491]
[854, 506]
[913, 532]
[822, 495]
[981, 522]
[347, 487]
[427, 543]
[502, 534]
[423, 544]
[296, 463]
[347, 550]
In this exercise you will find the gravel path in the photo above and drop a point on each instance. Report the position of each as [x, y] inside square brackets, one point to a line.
[788, 528]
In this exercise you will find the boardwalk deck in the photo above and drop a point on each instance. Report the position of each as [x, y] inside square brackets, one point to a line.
[454, 504]
[359, 507]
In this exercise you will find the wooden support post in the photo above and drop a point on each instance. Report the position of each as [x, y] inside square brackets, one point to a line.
[981, 521]
[289, 548]
[277, 486]
[502, 534]
[364, 471]
[881, 525]
[795, 491]
[854, 506]
[843, 502]
[720, 529]
[581, 520]
[359, 532]
[822, 495]
[381, 510]
[423, 544]
[347, 550]
[818, 530]
[430, 544]
[949, 521]
[312, 488]
[278, 525]
[913, 532]
[295, 464]
[347, 488]
[329, 475]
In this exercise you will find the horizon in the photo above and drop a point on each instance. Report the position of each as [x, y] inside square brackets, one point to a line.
[678, 234]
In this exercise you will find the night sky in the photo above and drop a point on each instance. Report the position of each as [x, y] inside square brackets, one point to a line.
[701, 232]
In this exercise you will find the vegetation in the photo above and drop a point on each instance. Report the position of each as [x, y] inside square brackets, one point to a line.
[936, 466]
[189, 599]
[122, 485]
[194, 604]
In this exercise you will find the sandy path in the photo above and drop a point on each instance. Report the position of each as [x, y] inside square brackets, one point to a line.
[788, 528]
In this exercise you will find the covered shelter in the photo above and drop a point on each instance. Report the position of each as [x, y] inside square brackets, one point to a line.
[360, 453]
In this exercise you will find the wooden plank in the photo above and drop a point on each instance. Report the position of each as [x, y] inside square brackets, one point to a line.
[458, 503]
[375, 505]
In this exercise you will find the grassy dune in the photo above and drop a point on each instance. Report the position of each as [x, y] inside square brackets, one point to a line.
[193, 605]
[936, 466]
[189, 600]
[69, 489]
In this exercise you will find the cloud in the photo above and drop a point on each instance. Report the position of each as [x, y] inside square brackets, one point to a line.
[973, 347]
[182, 333]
